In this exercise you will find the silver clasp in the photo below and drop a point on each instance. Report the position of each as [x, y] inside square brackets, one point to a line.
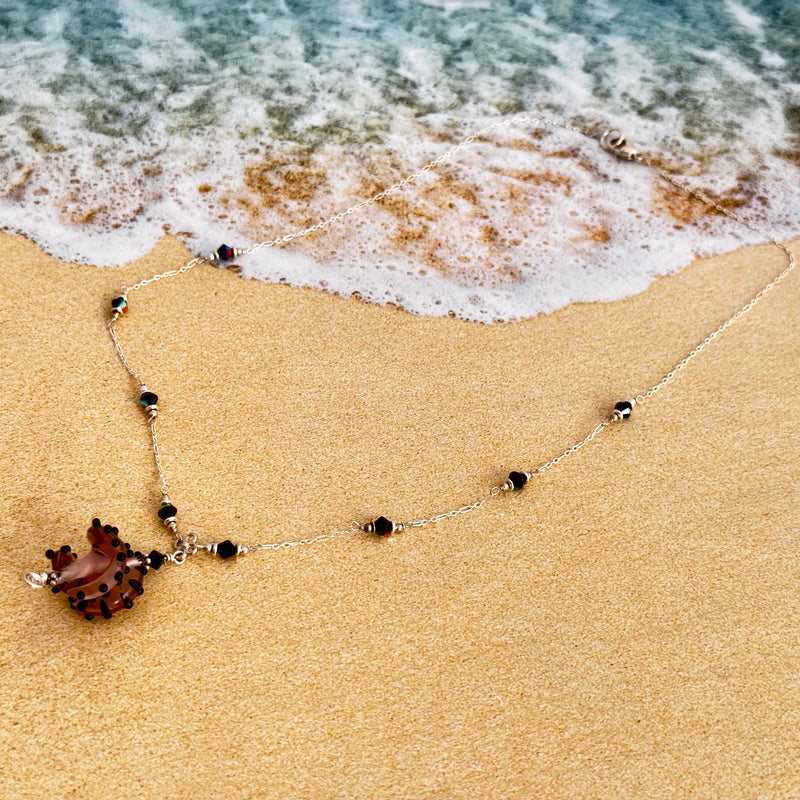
[614, 142]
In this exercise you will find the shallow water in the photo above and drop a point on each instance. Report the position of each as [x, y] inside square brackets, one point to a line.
[244, 121]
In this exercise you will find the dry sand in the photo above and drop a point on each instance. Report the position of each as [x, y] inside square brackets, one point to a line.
[626, 627]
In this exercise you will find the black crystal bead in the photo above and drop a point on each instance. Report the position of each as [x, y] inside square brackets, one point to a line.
[226, 549]
[225, 253]
[382, 526]
[148, 399]
[167, 511]
[518, 480]
[624, 407]
[156, 559]
[119, 304]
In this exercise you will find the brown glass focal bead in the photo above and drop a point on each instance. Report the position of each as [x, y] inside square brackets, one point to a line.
[103, 581]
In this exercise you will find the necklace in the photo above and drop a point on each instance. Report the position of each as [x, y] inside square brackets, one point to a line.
[110, 576]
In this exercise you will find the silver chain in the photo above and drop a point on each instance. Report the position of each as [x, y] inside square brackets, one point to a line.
[610, 140]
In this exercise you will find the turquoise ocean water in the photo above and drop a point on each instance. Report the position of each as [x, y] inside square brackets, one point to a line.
[242, 121]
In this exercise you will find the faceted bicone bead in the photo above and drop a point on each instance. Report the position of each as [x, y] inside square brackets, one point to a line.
[225, 253]
[120, 305]
[382, 526]
[167, 511]
[148, 399]
[156, 559]
[518, 480]
[226, 549]
[624, 407]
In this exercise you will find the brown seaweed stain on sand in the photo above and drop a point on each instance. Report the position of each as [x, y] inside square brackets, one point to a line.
[792, 155]
[541, 178]
[691, 210]
[447, 198]
[17, 188]
[75, 213]
[525, 145]
[276, 178]
[597, 235]
[452, 203]
[89, 216]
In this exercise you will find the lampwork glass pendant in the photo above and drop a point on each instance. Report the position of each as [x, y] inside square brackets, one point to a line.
[106, 579]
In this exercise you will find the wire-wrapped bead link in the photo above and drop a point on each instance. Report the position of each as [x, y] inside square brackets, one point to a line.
[383, 527]
[243, 549]
[119, 305]
[623, 409]
[224, 253]
[516, 481]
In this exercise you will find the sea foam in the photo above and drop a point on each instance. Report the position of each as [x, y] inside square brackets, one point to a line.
[221, 121]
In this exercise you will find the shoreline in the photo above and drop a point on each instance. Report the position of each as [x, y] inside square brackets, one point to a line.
[580, 637]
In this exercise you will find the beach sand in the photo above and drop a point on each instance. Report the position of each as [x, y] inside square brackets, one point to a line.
[624, 627]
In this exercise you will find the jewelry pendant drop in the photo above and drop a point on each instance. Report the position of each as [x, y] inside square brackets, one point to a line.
[102, 582]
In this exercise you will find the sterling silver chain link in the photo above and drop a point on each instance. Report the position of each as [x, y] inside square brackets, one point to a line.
[611, 141]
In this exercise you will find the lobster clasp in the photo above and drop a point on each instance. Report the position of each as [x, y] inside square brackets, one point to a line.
[614, 142]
